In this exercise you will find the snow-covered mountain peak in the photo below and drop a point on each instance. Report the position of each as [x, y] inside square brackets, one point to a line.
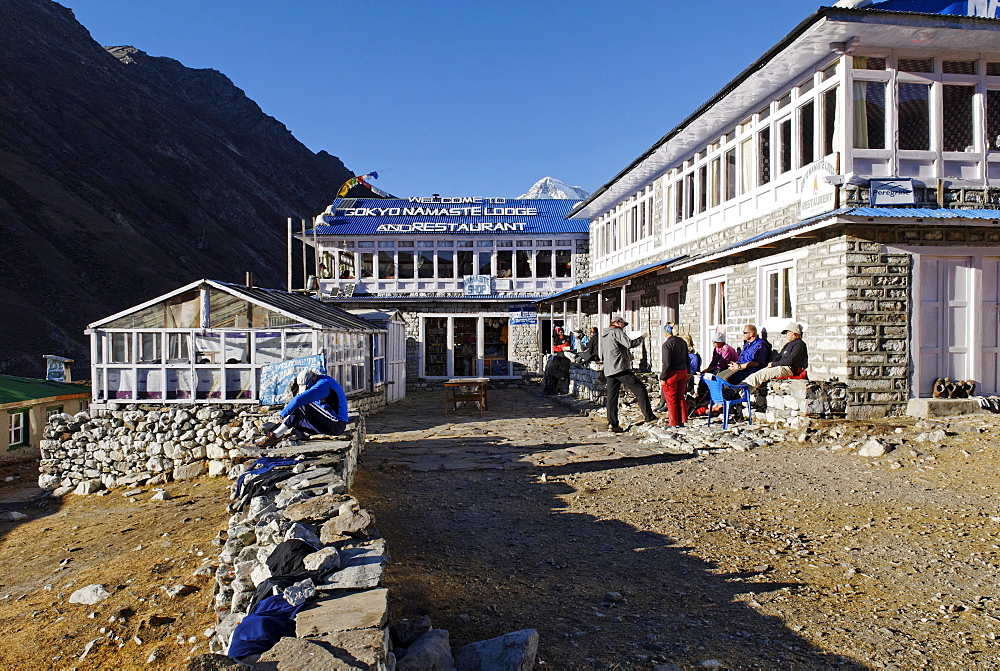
[549, 187]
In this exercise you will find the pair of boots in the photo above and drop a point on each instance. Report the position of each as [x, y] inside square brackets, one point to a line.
[945, 388]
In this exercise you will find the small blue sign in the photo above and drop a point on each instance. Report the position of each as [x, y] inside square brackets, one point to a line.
[523, 314]
[478, 285]
[275, 377]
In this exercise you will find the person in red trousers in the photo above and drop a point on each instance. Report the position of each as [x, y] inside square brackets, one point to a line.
[674, 376]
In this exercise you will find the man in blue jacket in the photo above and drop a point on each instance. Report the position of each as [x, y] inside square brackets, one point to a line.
[320, 409]
[756, 354]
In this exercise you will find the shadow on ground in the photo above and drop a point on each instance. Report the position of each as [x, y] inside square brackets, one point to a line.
[485, 551]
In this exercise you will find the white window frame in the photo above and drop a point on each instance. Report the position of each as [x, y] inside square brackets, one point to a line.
[770, 267]
[18, 424]
[709, 325]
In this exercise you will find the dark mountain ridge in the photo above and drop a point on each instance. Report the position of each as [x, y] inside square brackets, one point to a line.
[123, 176]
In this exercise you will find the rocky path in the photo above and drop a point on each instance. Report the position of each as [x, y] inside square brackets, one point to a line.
[756, 548]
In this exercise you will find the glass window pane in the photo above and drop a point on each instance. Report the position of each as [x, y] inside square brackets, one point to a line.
[764, 156]
[207, 347]
[869, 63]
[915, 65]
[746, 166]
[149, 348]
[543, 263]
[446, 264]
[958, 118]
[807, 136]
[298, 345]
[386, 245]
[465, 263]
[830, 115]
[505, 263]
[367, 264]
[237, 348]
[914, 116]
[425, 264]
[730, 174]
[495, 338]
[346, 266]
[386, 266]
[772, 294]
[702, 188]
[959, 67]
[869, 115]
[993, 119]
[523, 263]
[679, 201]
[786, 276]
[425, 243]
[405, 265]
[121, 348]
[435, 346]
[785, 128]
[564, 263]
[688, 195]
[267, 347]
[178, 349]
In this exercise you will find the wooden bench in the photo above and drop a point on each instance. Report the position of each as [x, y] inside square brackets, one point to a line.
[466, 389]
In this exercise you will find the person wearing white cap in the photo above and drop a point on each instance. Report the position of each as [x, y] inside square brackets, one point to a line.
[791, 360]
[616, 349]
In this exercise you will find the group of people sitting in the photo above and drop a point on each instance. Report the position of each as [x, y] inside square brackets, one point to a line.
[753, 364]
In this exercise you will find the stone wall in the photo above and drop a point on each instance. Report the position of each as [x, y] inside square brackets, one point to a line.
[113, 445]
[794, 402]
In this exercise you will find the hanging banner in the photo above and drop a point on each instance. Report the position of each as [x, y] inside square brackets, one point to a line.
[275, 377]
[478, 285]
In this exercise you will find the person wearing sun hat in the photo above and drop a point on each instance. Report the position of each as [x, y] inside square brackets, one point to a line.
[616, 349]
[791, 360]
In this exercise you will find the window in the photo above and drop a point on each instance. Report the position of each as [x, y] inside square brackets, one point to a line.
[993, 69]
[386, 267]
[425, 264]
[746, 165]
[679, 201]
[18, 435]
[388, 245]
[702, 188]
[485, 264]
[957, 116]
[367, 265]
[869, 115]
[830, 114]
[149, 347]
[764, 156]
[688, 194]
[915, 65]
[178, 348]
[958, 67]
[730, 174]
[505, 263]
[523, 265]
[446, 264]
[345, 270]
[778, 284]
[378, 359]
[120, 348]
[53, 410]
[543, 263]
[564, 264]
[869, 63]
[713, 309]
[405, 269]
[993, 119]
[714, 184]
[807, 135]
[914, 116]
[465, 262]
[785, 138]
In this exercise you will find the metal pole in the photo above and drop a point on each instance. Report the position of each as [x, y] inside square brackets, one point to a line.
[305, 271]
[289, 255]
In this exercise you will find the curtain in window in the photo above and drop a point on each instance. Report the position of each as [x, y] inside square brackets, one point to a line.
[869, 115]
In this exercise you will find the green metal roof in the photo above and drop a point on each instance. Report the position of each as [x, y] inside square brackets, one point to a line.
[25, 389]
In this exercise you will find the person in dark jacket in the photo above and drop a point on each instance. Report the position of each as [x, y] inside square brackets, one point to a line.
[791, 360]
[674, 374]
[556, 372]
[616, 349]
[320, 409]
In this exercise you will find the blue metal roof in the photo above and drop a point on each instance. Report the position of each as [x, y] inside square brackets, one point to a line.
[607, 279]
[479, 216]
[922, 213]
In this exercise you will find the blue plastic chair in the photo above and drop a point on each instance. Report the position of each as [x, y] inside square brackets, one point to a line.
[715, 387]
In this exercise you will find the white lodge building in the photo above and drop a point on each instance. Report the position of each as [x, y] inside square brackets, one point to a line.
[848, 180]
[464, 273]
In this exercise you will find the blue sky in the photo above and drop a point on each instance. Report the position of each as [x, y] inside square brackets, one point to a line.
[463, 98]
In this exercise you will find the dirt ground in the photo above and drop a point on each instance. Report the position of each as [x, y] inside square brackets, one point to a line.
[136, 549]
[796, 555]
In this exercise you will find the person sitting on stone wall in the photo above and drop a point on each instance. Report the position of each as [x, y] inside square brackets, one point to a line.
[320, 409]
[722, 355]
[556, 373]
[791, 360]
